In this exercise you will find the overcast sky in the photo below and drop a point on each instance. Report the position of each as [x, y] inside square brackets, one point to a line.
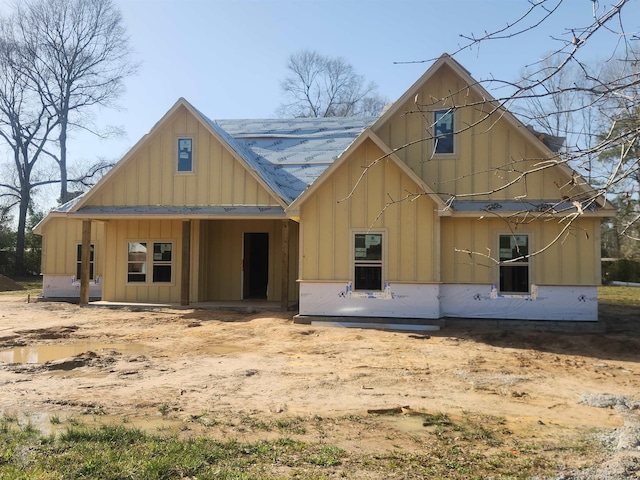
[227, 57]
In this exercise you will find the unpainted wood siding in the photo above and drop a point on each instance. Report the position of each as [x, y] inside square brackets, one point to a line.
[221, 256]
[470, 250]
[330, 213]
[60, 239]
[490, 153]
[150, 177]
[119, 233]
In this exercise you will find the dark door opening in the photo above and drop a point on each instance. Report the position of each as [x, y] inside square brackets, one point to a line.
[255, 265]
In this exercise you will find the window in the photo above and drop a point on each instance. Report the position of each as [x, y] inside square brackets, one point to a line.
[137, 262]
[185, 154]
[160, 262]
[514, 274]
[367, 262]
[79, 261]
[443, 131]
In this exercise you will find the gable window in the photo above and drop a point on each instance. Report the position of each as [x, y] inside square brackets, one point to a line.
[159, 262]
[514, 264]
[79, 261]
[185, 154]
[367, 261]
[443, 131]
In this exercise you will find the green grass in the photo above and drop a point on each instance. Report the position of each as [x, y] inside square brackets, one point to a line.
[625, 296]
[456, 449]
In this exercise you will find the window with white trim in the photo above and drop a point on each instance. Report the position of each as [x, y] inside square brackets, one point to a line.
[158, 261]
[443, 131]
[137, 262]
[368, 261]
[514, 264]
[185, 154]
[79, 261]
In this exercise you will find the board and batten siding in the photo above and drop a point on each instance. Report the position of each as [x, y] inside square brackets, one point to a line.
[119, 233]
[330, 214]
[221, 256]
[60, 238]
[489, 151]
[150, 177]
[470, 250]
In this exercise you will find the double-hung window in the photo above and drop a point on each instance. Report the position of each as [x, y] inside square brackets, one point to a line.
[443, 131]
[79, 261]
[154, 257]
[514, 264]
[368, 261]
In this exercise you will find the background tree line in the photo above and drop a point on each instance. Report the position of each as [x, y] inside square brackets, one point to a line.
[58, 60]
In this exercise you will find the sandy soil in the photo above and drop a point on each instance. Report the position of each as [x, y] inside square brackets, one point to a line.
[182, 363]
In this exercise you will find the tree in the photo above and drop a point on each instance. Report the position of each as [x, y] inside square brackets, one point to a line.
[25, 126]
[76, 54]
[564, 94]
[320, 86]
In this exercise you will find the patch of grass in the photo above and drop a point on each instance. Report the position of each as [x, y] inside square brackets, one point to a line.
[629, 296]
[115, 451]
[55, 420]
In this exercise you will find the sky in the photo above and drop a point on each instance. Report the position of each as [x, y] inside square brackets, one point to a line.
[227, 57]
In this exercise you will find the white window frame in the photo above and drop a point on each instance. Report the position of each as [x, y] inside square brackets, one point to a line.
[454, 148]
[179, 139]
[150, 262]
[504, 264]
[355, 262]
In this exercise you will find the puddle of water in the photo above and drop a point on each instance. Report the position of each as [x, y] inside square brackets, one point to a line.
[47, 353]
[413, 424]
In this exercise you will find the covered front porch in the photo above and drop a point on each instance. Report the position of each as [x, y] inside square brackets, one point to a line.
[222, 263]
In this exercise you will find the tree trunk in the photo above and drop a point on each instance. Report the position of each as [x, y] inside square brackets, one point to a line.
[25, 198]
[64, 193]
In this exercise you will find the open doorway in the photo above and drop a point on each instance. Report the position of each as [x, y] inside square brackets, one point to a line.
[255, 266]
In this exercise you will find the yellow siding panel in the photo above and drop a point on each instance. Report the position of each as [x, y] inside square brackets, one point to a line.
[328, 225]
[309, 256]
[149, 176]
[490, 151]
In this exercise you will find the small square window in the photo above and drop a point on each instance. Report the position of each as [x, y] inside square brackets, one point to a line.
[185, 154]
[443, 131]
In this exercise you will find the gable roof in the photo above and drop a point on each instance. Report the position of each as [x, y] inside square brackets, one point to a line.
[283, 155]
[443, 208]
[549, 145]
[290, 154]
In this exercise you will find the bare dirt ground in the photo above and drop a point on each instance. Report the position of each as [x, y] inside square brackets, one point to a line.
[180, 364]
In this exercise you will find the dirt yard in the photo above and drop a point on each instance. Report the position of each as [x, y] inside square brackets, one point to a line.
[60, 360]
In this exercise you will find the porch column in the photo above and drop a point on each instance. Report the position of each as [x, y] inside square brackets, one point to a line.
[85, 256]
[284, 295]
[186, 262]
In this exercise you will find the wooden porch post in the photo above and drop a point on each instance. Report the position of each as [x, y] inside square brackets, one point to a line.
[186, 262]
[284, 295]
[85, 257]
